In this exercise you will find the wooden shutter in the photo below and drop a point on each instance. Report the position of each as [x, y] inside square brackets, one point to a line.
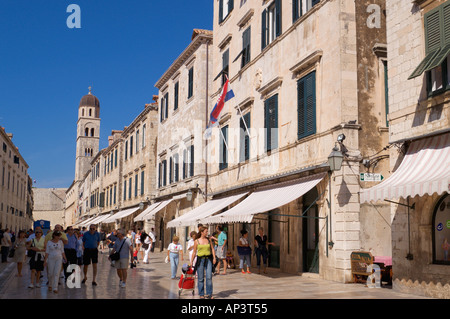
[220, 11]
[223, 158]
[278, 18]
[191, 82]
[230, 6]
[246, 39]
[271, 122]
[175, 96]
[142, 183]
[433, 30]
[264, 29]
[306, 96]
[170, 170]
[225, 65]
[244, 146]
[191, 167]
[166, 104]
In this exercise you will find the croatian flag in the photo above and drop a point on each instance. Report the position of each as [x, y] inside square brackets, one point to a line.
[227, 94]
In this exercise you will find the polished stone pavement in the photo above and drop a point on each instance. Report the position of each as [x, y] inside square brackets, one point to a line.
[152, 281]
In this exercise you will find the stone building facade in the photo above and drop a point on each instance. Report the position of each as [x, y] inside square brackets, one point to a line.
[16, 196]
[183, 102]
[298, 85]
[49, 205]
[419, 122]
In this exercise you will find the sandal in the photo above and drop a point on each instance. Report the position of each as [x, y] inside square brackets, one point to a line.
[209, 297]
[202, 297]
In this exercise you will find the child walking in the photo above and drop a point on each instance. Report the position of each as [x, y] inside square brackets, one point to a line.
[173, 254]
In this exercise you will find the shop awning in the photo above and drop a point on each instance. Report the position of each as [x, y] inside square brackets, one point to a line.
[97, 220]
[425, 169]
[85, 222]
[121, 214]
[265, 199]
[205, 210]
[161, 205]
[148, 210]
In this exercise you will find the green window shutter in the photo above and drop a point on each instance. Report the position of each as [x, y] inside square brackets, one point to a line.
[446, 22]
[306, 113]
[223, 160]
[166, 104]
[278, 18]
[191, 167]
[191, 82]
[244, 145]
[264, 29]
[433, 30]
[246, 39]
[175, 96]
[271, 123]
[423, 65]
[142, 182]
[230, 6]
[170, 170]
[225, 65]
[220, 11]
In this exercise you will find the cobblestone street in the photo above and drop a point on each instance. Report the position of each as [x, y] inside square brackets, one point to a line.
[152, 281]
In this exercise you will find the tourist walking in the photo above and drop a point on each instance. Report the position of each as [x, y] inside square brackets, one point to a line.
[206, 257]
[54, 258]
[20, 247]
[173, 253]
[6, 245]
[70, 249]
[222, 248]
[124, 247]
[244, 252]
[79, 247]
[37, 254]
[91, 240]
[190, 245]
[138, 243]
[147, 243]
[261, 249]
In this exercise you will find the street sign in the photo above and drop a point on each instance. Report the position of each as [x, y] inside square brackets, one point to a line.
[371, 177]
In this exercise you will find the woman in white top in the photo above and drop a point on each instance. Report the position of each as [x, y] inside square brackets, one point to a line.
[54, 257]
[173, 252]
[244, 252]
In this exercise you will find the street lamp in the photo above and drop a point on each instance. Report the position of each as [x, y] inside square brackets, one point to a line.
[335, 159]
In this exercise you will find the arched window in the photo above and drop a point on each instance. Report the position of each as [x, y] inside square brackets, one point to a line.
[86, 132]
[90, 112]
[92, 132]
[441, 231]
[82, 112]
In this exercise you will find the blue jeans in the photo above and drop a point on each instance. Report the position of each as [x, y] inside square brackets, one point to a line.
[261, 252]
[245, 258]
[174, 264]
[204, 265]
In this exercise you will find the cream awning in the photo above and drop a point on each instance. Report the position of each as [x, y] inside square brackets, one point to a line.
[121, 214]
[265, 199]
[205, 210]
[85, 222]
[97, 220]
[425, 169]
[148, 210]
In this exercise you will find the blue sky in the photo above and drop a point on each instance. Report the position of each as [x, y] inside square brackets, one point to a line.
[122, 49]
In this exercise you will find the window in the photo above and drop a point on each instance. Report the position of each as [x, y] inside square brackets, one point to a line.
[137, 141]
[159, 175]
[142, 182]
[125, 190]
[306, 98]
[144, 129]
[164, 173]
[441, 231]
[225, 7]
[246, 39]
[223, 148]
[225, 65]
[166, 105]
[302, 6]
[115, 158]
[131, 146]
[126, 150]
[437, 49]
[271, 23]
[191, 82]
[170, 171]
[176, 161]
[244, 152]
[115, 189]
[92, 132]
[271, 122]
[130, 180]
[135, 185]
[175, 96]
[386, 92]
[191, 166]
[185, 161]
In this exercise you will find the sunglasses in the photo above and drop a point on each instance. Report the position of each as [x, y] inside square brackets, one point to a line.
[38, 232]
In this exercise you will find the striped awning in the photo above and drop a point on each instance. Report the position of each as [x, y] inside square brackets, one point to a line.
[197, 215]
[148, 210]
[266, 199]
[119, 215]
[153, 209]
[425, 169]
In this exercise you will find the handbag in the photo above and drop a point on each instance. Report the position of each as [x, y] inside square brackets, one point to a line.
[244, 250]
[11, 253]
[116, 256]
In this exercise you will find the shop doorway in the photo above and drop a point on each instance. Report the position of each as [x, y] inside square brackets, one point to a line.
[274, 236]
[310, 233]
[161, 234]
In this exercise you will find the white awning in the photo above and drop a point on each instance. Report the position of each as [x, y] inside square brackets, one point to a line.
[85, 222]
[425, 169]
[157, 209]
[121, 214]
[97, 220]
[205, 210]
[148, 210]
[265, 199]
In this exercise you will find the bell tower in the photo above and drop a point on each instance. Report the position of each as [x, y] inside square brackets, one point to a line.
[88, 134]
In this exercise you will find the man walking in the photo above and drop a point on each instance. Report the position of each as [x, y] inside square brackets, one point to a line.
[91, 240]
[6, 244]
[125, 248]
[70, 250]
